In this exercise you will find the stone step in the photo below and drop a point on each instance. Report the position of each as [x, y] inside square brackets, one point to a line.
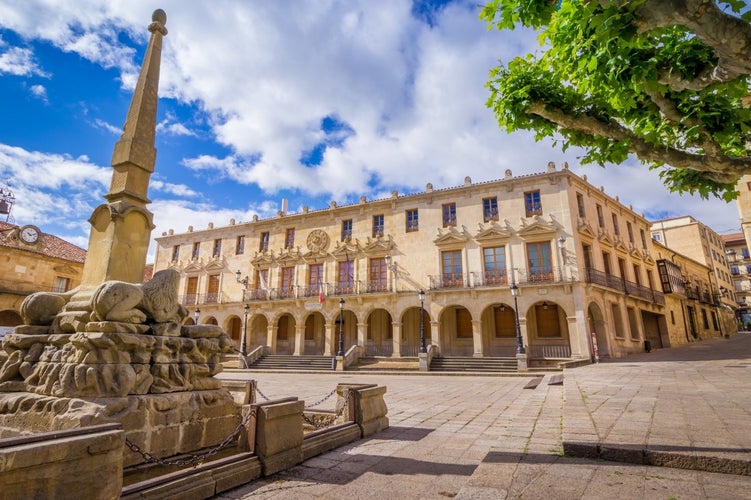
[291, 362]
[473, 364]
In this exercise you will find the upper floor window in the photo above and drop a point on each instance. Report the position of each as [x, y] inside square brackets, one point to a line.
[377, 225]
[449, 214]
[734, 270]
[175, 253]
[580, 205]
[212, 289]
[61, 285]
[490, 209]
[264, 242]
[643, 237]
[657, 236]
[540, 261]
[217, 248]
[630, 230]
[532, 203]
[289, 238]
[744, 252]
[346, 229]
[240, 245]
[196, 248]
[412, 220]
[494, 262]
[600, 217]
[451, 269]
[616, 229]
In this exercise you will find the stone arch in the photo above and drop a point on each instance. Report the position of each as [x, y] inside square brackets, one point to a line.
[548, 334]
[210, 320]
[285, 334]
[410, 328]
[348, 329]
[233, 328]
[9, 317]
[258, 328]
[379, 336]
[455, 327]
[596, 324]
[314, 334]
[498, 327]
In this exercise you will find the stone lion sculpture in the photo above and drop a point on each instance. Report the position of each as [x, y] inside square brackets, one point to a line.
[155, 301]
[40, 308]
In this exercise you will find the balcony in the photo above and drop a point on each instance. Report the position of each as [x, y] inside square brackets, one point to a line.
[195, 299]
[448, 280]
[628, 287]
[493, 278]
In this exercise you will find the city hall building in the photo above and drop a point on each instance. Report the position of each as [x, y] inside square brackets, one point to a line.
[577, 265]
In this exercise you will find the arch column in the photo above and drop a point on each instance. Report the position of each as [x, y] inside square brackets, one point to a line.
[525, 335]
[299, 338]
[362, 333]
[435, 335]
[271, 337]
[396, 334]
[477, 338]
[328, 339]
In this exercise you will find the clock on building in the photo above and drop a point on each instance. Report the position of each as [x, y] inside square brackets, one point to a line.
[29, 234]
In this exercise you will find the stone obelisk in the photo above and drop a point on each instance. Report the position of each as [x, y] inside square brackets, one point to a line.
[121, 227]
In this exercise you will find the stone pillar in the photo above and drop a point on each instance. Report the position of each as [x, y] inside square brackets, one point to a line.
[299, 339]
[271, 338]
[362, 334]
[396, 333]
[435, 335]
[328, 340]
[477, 338]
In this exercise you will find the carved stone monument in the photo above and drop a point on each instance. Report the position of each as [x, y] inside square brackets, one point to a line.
[114, 350]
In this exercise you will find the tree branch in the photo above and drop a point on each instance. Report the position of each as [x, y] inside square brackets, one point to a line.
[719, 168]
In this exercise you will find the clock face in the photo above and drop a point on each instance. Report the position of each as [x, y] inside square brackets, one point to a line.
[29, 234]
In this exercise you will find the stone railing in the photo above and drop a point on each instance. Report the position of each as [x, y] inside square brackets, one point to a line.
[351, 357]
[426, 358]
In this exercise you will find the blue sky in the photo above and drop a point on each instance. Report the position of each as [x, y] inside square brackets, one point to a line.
[310, 101]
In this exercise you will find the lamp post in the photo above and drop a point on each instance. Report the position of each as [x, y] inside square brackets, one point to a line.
[519, 344]
[421, 296]
[341, 328]
[243, 341]
[197, 314]
[242, 281]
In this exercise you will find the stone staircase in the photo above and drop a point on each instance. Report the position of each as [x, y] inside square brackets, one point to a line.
[467, 364]
[387, 364]
[290, 362]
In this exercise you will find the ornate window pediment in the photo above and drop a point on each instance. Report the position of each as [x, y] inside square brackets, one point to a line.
[215, 264]
[620, 246]
[585, 229]
[262, 259]
[193, 267]
[65, 269]
[347, 250]
[538, 229]
[605, 238]
[450, 236]
[288, 257]
[493, 232]
[378, 246]
[315, 257]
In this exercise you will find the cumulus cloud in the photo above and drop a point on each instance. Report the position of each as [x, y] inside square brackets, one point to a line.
[20, 62]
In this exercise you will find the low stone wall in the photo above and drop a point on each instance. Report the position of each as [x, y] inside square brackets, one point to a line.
[80, 463]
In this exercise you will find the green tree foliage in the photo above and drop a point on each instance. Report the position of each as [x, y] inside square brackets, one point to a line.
[665, 80]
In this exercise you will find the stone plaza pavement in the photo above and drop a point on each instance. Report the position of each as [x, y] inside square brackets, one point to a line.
[479, 436]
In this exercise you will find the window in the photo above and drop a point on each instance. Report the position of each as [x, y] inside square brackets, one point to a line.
[175, 253]
[547, 320]
[616, 229]
[264, 242]
[240, 245]
[630, 230]
[217, 248]
[715, 325]
[650, 280]
[61, 285]
[600, 217]
[191, 291]
[345, 277]
[734, 270]
[580, 205]
[532, 204]
[412, 220]
[347, 230]
[261, 283]
[315, 279]
[672, 317]
[637, 274]
[449, 214]
[657, 236]
[744, 252]
[196, 249]
[212, 289]
[606, 262]
[377, 225]
[289, 238]
[748, 269]
[540, 264]
[704, 319]
[490, 209]
[643, 239]
[287, 282]
[632, 324]
[463, 323]
[378, 275]
[494, 261]
[587, 253]
[617, 320]
[451, 269]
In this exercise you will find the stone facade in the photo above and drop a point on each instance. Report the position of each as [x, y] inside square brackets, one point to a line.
[583, 262]
[739, 260]
[47, 263]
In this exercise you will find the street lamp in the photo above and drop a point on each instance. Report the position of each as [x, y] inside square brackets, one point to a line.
[519, 344]
[197, 313]
[245, 330]
[341, 328]
[421, 296]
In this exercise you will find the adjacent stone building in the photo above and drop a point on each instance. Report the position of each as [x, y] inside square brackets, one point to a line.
[33, 261]
[739, 260]
[584, 264]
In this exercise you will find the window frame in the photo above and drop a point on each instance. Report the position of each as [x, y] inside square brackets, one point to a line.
[448, 214]
[378, 225]
[412, 220]
[490, 209]
[532, 203]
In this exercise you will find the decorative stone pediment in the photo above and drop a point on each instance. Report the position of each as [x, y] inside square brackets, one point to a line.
[65, 269]
[346, 250]
[493, 232]
[194, 267]
[538, 228]
[620, 246]
[585, 229]
[647, 258]
[451, 236]
[634, 252]
[262, 259]
[605, 238]
[315, 257]
[288, 257]
[215, 264]
[378, 246]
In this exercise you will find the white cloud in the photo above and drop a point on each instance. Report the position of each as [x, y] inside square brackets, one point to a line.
[108, 127]
[19, 62]
[39, 91]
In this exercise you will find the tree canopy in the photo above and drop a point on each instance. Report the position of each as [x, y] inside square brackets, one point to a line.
[665, 80]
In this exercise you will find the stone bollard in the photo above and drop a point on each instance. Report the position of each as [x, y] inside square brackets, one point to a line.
[279, 434]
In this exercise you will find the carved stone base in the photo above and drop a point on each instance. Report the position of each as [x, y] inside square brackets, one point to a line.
[161, 424]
